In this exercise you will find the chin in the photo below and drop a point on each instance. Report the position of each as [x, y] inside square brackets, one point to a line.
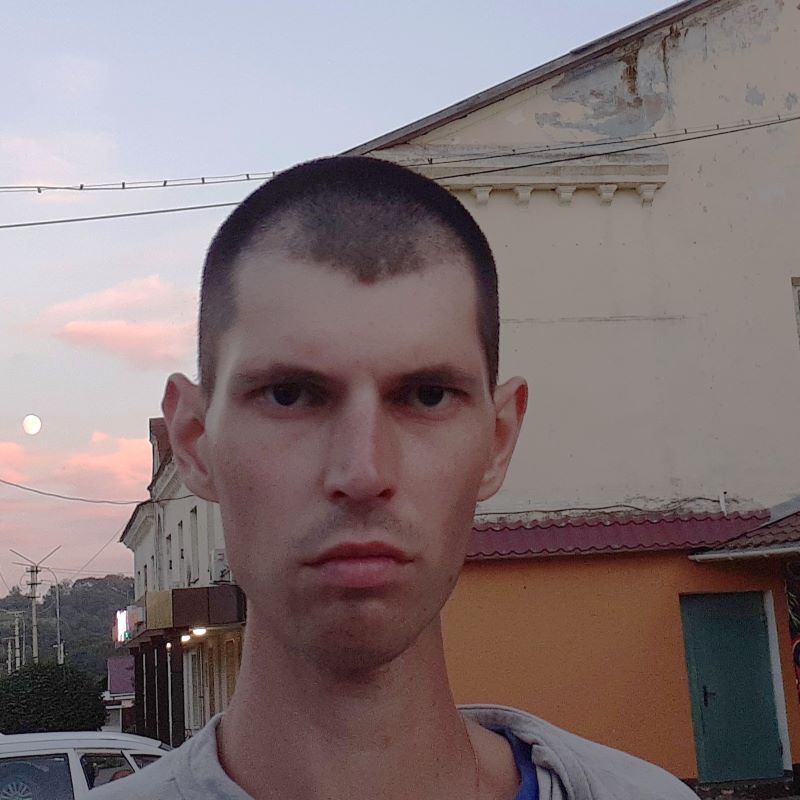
[362, 646]
[352, 660]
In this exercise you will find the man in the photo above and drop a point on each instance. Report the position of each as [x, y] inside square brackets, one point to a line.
[347, 419]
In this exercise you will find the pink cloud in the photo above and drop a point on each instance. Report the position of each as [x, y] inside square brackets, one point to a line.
[99, 436]
[122, 474]
[13, 459]
[147, 294]
[146, 322]
[142, 344]
[120, 471]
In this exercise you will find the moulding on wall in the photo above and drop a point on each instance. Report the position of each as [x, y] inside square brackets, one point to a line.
[484, 170]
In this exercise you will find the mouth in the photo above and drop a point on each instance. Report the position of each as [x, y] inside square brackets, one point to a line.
[360, 565]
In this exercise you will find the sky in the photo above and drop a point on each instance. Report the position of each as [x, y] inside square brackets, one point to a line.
[94, 315]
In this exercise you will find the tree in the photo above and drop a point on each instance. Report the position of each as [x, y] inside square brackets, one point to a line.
[87, 615]
[50, 697]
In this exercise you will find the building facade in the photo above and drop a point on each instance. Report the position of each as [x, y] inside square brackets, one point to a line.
[185, 627]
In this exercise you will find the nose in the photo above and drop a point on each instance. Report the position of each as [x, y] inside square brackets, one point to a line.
[361, 457]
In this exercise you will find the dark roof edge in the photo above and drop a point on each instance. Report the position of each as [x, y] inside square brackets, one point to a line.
[572, 59]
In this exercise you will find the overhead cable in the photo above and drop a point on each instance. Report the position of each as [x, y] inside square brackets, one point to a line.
[671, 136]
[618, 151]
[116, 186]
[580, 156]
[69, 497]
[242, 177]
[115, 216]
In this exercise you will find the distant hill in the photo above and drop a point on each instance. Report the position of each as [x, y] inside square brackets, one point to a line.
[87, 616]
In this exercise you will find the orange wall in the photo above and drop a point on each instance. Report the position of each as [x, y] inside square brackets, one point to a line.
[595, 644]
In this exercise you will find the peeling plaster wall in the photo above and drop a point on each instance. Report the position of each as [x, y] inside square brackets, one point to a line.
[660, 342]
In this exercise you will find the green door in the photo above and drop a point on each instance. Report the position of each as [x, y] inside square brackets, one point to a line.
[730, 680]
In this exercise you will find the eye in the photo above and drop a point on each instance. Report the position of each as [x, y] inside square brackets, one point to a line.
[286, 394]
[430, 396]
[292, 395]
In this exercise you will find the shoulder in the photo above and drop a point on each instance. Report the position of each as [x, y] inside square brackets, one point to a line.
[587, 770]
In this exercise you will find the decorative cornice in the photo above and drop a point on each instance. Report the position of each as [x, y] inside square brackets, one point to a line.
[606, 192]
[166, 482]
[485, 171]
[564, 194]
[481, 194]
[140, 521]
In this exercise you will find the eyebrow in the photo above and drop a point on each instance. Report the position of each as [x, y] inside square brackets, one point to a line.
[277, 373]
[437, 375]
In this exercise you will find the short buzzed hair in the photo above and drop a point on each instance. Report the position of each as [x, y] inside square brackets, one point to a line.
[371, 218]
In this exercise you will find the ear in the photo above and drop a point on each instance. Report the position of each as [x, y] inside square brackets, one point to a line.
[510, 402]
[184, 412]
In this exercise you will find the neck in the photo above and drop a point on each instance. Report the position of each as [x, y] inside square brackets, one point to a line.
[295, 731]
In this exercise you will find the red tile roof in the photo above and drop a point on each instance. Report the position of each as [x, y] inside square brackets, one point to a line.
[609, 533]
[781, 532]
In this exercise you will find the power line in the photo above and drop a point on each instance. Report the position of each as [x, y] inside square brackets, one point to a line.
[243, 177]
[673, 134]
[70, 497]
[722, 132]
[165, 183]
[88, 572]
[113, 536]
[115, 216]
[95, 500]
[654, 141]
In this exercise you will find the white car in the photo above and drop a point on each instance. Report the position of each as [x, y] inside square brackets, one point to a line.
[67, 766]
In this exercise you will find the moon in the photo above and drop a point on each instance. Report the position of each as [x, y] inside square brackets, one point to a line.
[31, 424]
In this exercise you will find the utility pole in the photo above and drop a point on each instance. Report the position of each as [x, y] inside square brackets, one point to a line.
[16, 640]
[59, 643]
[33, 568]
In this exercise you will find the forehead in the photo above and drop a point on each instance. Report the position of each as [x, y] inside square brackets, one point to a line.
[324, 317]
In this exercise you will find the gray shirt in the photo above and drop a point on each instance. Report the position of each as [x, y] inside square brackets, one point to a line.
[567, 767]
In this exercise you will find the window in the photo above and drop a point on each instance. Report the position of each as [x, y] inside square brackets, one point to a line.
[182, 577]
[102, 768]
[231, 669]
[168, 554]
[144, 568]
[197, 705]
[143, 760]
[211, 672]
[211, 535]
[194, 544]
[36, 776]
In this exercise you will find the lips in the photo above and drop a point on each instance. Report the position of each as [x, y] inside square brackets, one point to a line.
[360, 565]
[362, 550]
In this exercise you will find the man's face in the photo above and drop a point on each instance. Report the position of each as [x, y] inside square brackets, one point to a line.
[346, 440]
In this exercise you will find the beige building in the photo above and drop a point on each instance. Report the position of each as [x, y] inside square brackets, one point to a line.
[185, 627]
[638, 194]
